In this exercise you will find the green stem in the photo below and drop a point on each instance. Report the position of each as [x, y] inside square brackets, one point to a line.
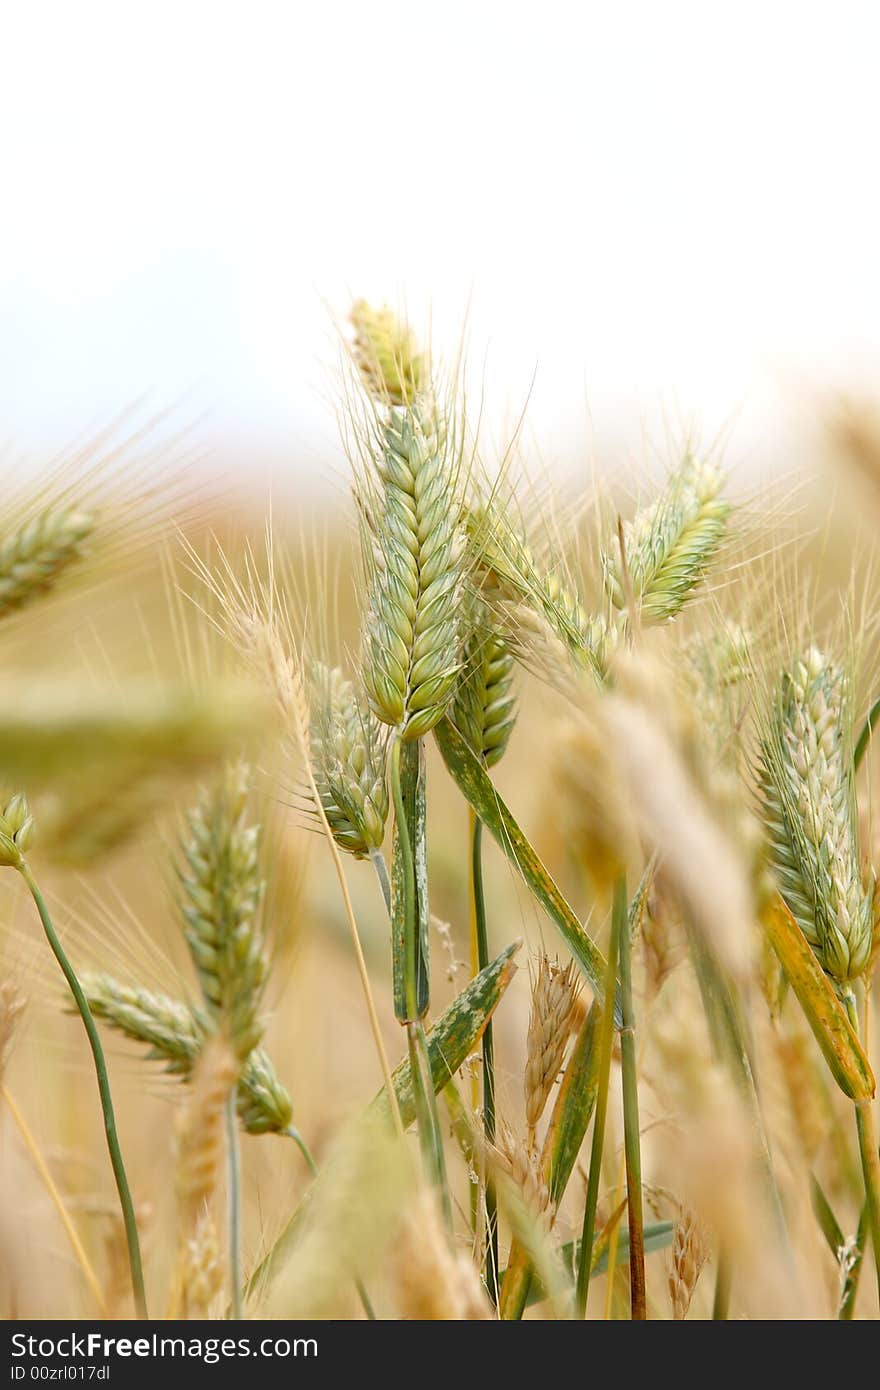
[410, 949]
[869, 1155]
[128, 1216]
[632, 1145]
[427, 1115]
[430, 1133]
[721, 1302]
[233, 1170]
[865, 736]
[293, 1133]
[606, 1044]
[833, 1233]
[488, 1063]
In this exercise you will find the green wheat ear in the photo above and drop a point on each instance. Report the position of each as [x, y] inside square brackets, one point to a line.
[808, 792]
[484, 708]
[222, 893]
[670, 545]
[33, 558]
[416, 566]
[176, 1034]
[348, 747]
[385, 352]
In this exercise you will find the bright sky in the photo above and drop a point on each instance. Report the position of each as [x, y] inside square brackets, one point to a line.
[665, 210]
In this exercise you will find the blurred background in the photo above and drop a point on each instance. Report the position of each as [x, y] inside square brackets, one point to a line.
[652, 216]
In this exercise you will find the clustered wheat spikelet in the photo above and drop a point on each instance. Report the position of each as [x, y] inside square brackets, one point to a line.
[411, 642]
[670, 544]
[385, 351]
[16, 831]
[506, 565]
[33, 557]
[553, 1000]
[484, 707]
[348, 748]
[808, 798]
[690, 1251]
[523, 1165]
[168, 1027]
[176, 1034]
[222, 895]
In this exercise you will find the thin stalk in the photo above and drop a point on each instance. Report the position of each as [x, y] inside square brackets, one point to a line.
[479, 905]
[865, 736]
[233, 1179]
[50, 1185]
[430, 1133]
[721, 1302]
[631, 1140]
[606, 1044]
[293, 1133]
[410, 948]
[868, 1154]
[427, 1115]
[119, 1173]
[474, 1203]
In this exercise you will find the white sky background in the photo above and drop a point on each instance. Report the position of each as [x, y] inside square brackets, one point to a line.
[669, 212]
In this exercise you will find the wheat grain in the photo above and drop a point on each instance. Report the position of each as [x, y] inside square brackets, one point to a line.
[670, 545]
[808, 798]
[385, 351]
[35, 556]
[175, 1034]
[222, 895]
[16, 831]
[690, 1250]
[348, 746]
[507, 567]
[415, 561]
[484, 707]
[554, 994]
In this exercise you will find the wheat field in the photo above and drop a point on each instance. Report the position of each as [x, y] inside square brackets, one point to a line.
[460, 905]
